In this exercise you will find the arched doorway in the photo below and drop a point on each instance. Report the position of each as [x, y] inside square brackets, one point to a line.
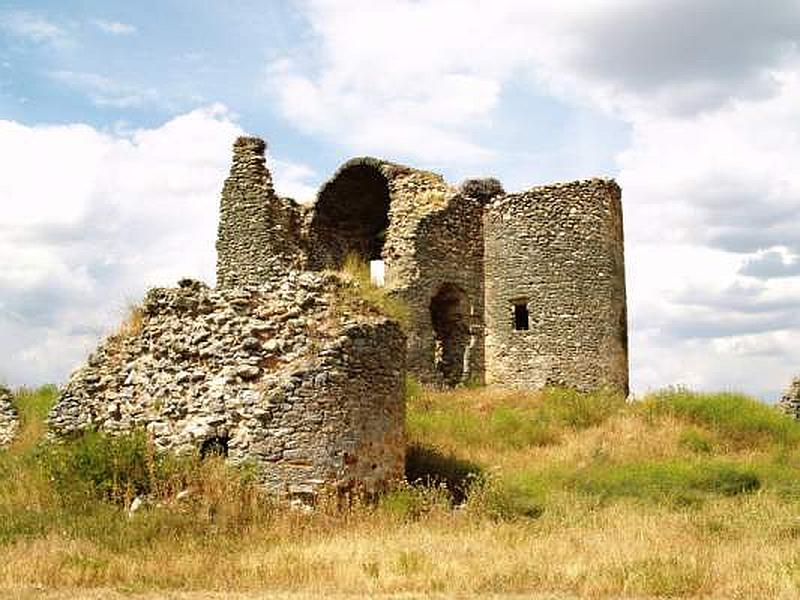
[351, 216]
[450, 316]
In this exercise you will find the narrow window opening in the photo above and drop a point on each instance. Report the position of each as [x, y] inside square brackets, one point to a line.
[521, 319]
[376, 272]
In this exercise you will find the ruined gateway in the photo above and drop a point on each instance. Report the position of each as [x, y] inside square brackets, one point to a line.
[523, 289]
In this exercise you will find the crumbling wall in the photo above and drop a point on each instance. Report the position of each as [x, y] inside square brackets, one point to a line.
[9, 422]
[259, 233]
[556, 253]
[350, 215]
[790, 401]
[283, 376]
[430, 239]
[446, 293]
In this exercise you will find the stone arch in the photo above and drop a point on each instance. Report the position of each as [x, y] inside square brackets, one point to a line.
[450, 318]
[351, 215]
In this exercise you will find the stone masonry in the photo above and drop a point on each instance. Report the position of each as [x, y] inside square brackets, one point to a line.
[554, 256]
[258, 231]
[790, 401]
[9, 422]
[285, 376]
[524, 289]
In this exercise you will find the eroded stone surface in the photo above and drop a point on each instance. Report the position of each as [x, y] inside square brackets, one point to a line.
[790, 401]
[9, 422]
[281, 375]
[460, 258]
[522, 290]
[556, 253]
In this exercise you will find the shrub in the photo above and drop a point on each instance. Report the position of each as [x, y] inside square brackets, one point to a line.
[99, 466]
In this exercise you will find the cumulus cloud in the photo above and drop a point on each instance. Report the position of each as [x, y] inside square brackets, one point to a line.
[92, 219]
[772, 263]
[422, 79]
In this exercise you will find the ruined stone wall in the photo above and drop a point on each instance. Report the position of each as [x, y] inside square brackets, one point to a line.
[284, 376]
[446, 294]
[259, 233]
[559, 251]
[431, 245]
[8, 417]
[789, 403]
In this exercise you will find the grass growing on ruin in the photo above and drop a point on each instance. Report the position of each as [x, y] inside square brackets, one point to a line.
[554, 493]
[359, 291]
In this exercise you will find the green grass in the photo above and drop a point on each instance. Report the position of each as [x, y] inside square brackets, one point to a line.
[742, 421]
[511, 421]
[555, 473]
[666, 480]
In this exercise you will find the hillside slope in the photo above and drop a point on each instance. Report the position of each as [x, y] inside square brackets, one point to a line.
[552, 493]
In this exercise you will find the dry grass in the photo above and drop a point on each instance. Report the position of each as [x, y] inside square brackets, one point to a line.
[359, 293]
[696, 537]
[132, 322]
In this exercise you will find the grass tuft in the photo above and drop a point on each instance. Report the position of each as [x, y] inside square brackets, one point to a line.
[359, 291]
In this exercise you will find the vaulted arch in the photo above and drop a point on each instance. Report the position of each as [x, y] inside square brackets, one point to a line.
[351, 215]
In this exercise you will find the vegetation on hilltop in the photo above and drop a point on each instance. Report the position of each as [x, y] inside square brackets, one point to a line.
[556, 492]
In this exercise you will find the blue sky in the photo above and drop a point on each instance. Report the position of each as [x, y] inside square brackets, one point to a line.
[116, 121]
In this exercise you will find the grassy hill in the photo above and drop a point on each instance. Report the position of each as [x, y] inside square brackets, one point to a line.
[553, 493]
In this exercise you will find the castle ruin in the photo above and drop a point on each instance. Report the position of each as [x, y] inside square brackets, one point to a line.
[275, 366]
[524, 289]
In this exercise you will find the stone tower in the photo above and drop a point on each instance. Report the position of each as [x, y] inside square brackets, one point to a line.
[259, 233]
[555, 287]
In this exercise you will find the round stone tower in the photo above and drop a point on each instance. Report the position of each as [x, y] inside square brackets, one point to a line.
[555, 287]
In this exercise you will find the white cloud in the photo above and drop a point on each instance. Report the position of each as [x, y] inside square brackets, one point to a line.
[91, 219]
[422, 79]
[114, 27]
[34, 28]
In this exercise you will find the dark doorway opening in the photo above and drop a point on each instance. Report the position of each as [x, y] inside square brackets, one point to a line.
[214, 446]
[450, 314]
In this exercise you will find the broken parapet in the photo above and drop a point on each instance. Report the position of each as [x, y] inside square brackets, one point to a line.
[790, 401]
[284, 377]
[9, 421]
[259, 232]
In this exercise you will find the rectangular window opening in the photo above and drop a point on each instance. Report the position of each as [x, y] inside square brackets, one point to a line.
[521, 321]
[377, 272]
